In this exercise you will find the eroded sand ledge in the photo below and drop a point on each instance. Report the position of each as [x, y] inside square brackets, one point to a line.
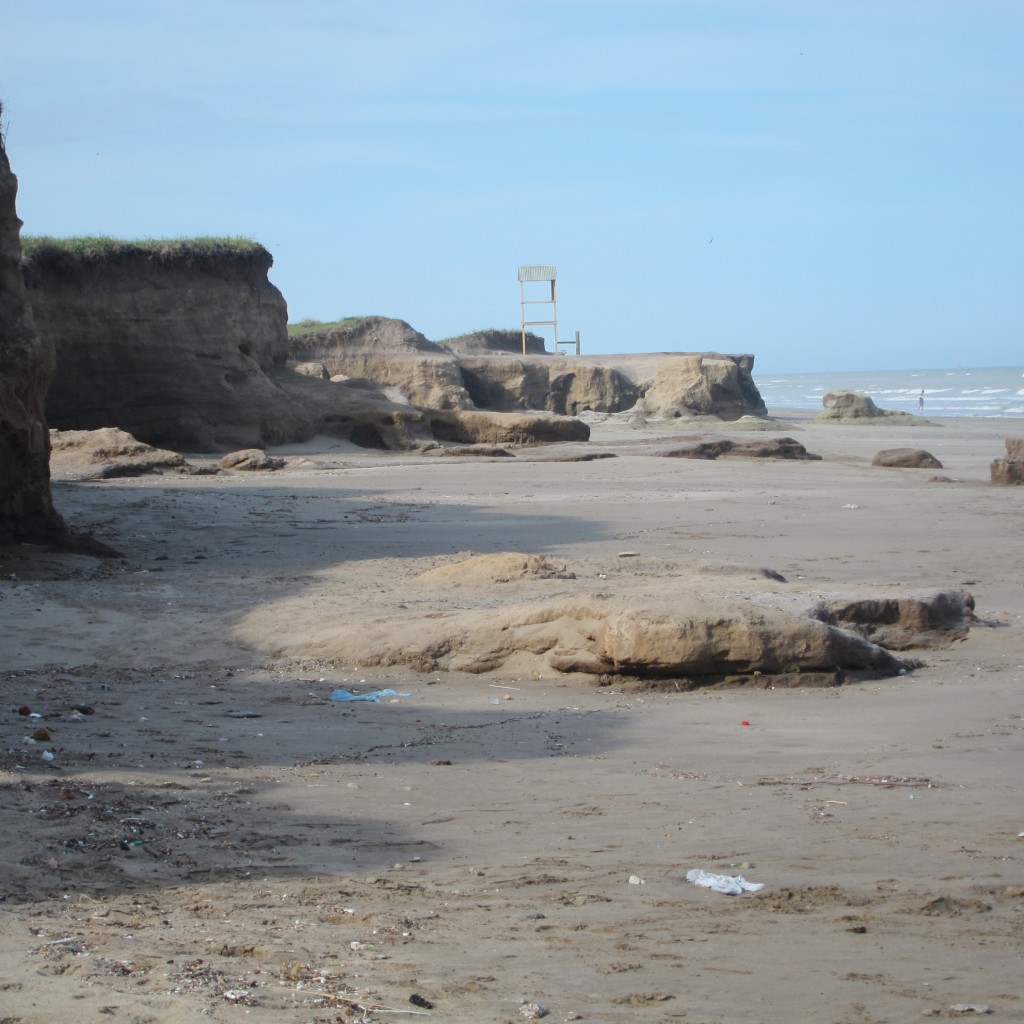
[269, 845]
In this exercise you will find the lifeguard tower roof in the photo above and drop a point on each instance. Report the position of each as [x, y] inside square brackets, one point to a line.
[538, 272]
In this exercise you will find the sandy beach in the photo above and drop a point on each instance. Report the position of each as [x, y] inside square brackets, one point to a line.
[199, 832]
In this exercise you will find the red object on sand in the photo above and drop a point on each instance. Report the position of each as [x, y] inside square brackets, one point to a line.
[744, 723]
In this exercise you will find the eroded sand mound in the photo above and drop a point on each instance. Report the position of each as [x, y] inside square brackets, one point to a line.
[696, 642]
[693, 623]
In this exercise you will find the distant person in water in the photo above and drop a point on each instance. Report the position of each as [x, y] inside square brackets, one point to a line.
[920, 400]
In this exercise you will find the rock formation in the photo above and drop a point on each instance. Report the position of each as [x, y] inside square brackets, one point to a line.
[390, 353]
[699, 642]
[168, 341]
[249, 460]
[106, 453]
[26, 364]
[703, 384]
[750, 448]
[184, 345]
[711, 624]
[847, 406]
[1009, 470]
[481, 427]
[487, 370]
[902, 622]
[906, 458]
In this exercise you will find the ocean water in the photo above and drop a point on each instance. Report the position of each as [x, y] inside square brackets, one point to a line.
[986, 392]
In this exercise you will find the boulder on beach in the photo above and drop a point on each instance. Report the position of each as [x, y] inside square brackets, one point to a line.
[906, 458]
[250, 459]
[1009, 471]
[855, 406]
[106, 453]
[754, 448]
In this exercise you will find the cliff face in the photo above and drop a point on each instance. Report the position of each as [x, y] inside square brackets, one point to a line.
[686, 384]
[172, 346]
[487, 370]
[551, 383]
[26, 362]
[388, 352]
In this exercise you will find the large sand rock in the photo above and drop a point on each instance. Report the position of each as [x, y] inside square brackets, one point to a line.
[388, 352]
[106, 453]
[355, 410]
[697, 642]
[528, 614]
[855, 406]
[26, 363]
[555, 384]
[1010, 470]
[666, 385]
[497, 428]
[704, 384]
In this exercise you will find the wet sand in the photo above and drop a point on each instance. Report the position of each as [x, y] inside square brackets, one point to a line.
[214, 838]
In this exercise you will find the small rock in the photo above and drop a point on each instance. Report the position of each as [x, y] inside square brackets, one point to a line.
[250, 459]
[533, 1011]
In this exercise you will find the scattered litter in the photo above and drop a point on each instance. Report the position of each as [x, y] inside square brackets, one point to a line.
[417, 1000]
[629, 554]
[851, 506]
[636, 880]
[731, 885]
[242, 714]
[533, 1011]
[346, 695]
[970, 1008]
[48, 755]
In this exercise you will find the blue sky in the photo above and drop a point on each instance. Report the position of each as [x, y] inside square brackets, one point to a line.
[828, 184]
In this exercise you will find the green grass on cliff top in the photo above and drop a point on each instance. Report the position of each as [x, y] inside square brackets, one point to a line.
[97, 248]
[310, 326]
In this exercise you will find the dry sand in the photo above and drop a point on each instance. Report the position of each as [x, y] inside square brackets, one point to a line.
[176, 862]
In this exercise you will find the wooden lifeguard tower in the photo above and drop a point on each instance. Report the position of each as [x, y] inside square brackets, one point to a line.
[542, 273]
